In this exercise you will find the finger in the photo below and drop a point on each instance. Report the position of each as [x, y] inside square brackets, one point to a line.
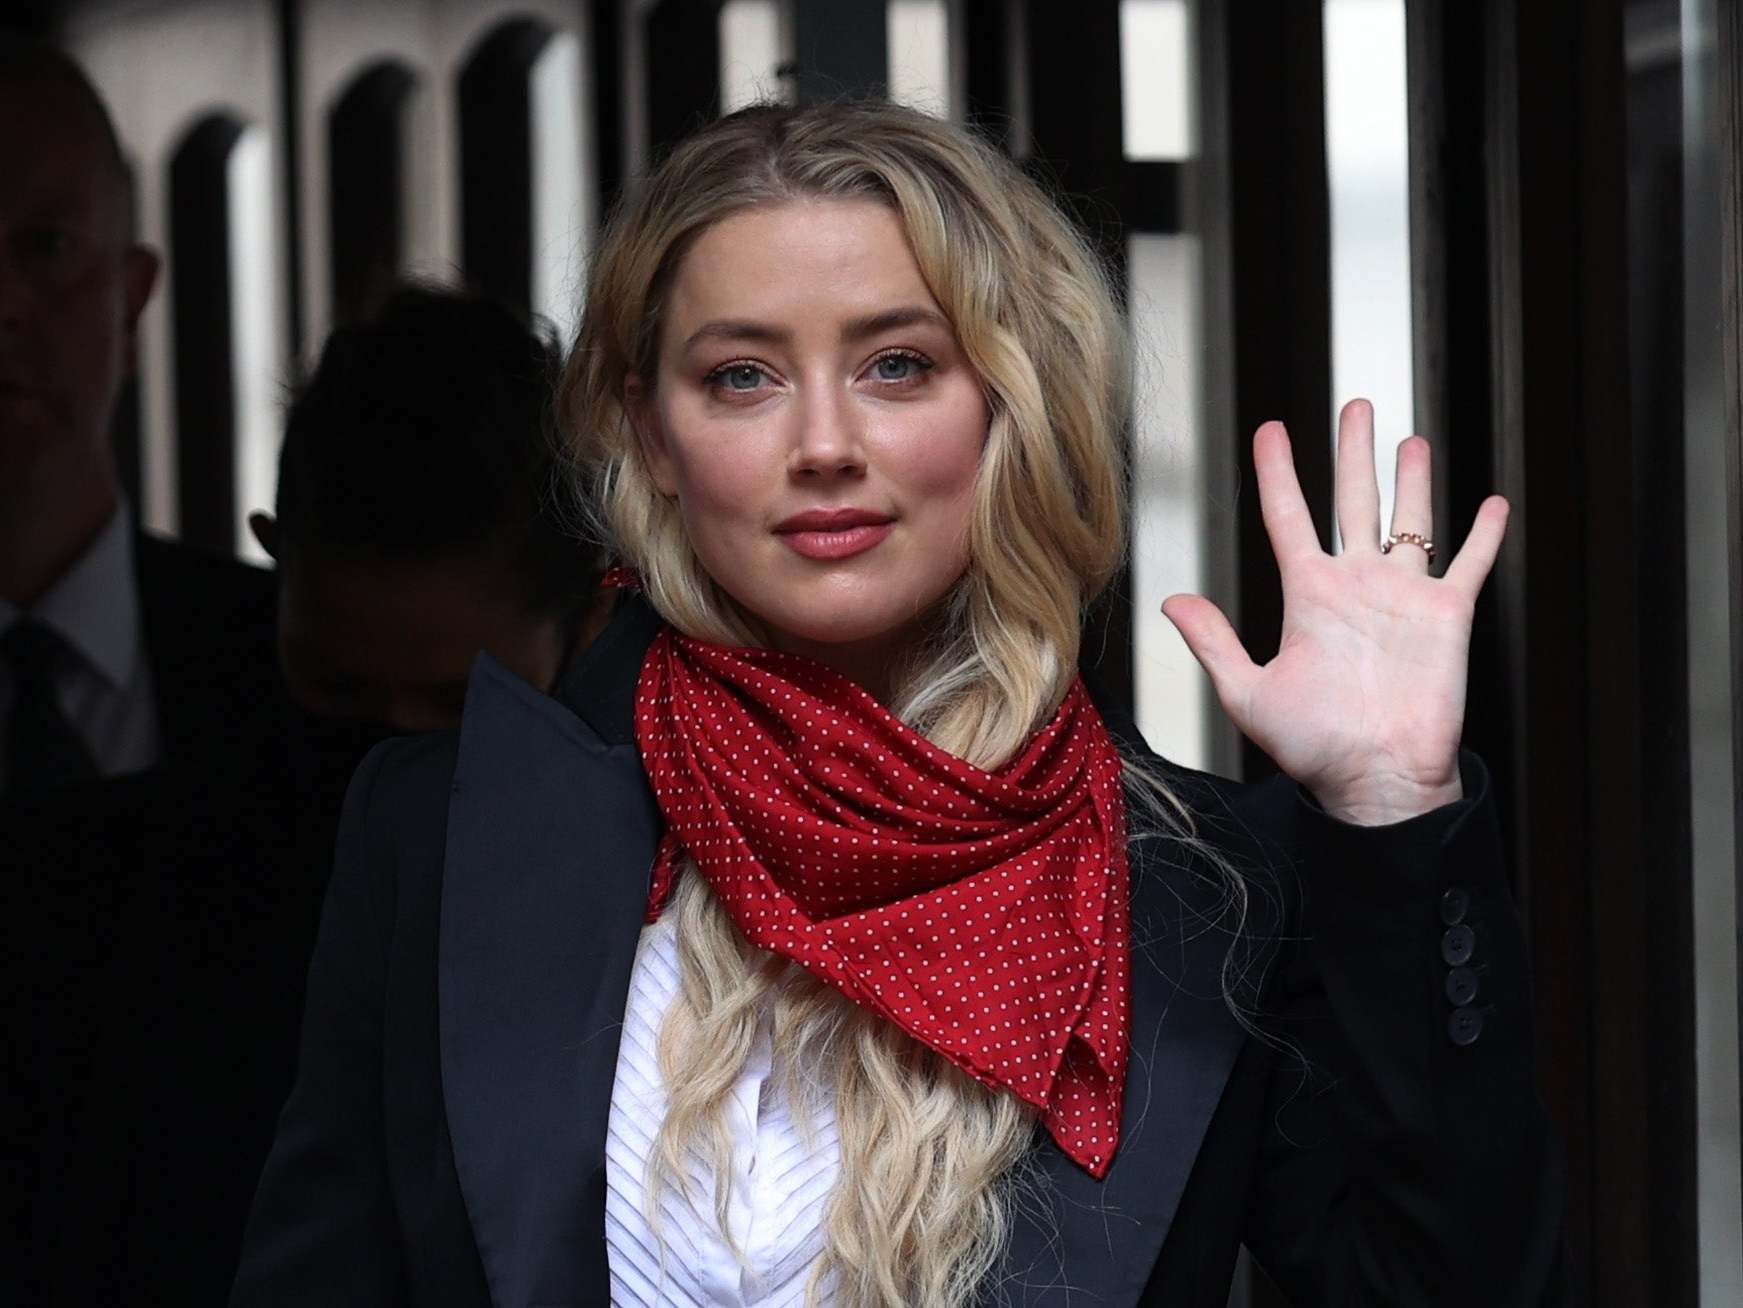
[1358, 489]
[1213, 643]
[1413, 501]
[1288, 522]
[1470, 567]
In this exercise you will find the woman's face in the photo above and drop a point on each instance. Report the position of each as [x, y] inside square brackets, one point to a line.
[819, 426]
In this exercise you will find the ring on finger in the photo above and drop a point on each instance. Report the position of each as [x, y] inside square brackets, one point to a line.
[1409, 538]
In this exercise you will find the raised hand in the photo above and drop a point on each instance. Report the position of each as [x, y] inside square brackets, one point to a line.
[1365, 699]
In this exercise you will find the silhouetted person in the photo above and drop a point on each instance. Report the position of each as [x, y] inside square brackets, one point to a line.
[164, 844]
[117, 652]
[418, 520]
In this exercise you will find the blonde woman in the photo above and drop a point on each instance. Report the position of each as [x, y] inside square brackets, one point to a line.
[820, 940]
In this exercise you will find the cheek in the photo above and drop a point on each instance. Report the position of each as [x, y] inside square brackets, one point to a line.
[957, 471]
[717, 485]
[718, 501]
[721, 475]
[89, 309]
[81, 337]
[941, 459]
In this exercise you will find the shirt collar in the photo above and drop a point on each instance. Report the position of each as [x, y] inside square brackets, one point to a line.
[95, 604]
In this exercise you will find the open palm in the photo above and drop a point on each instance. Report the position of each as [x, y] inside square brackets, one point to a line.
[1364, 702]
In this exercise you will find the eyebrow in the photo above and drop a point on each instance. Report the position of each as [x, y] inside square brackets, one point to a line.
[855, 329]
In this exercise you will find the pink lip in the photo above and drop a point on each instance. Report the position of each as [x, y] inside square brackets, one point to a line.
[832, 519]
[834, 533]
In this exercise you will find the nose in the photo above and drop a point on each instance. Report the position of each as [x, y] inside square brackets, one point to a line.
[828, 441]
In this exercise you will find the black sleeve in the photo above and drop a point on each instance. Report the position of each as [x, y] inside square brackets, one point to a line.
[322, 1230]
[1407, 1158]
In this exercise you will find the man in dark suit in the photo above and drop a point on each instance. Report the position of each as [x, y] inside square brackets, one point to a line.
[118, 652]
[166, 824]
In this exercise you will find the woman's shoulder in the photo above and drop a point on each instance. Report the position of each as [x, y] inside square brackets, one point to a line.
[1206, 853]
[508, 730]
[1245, 821]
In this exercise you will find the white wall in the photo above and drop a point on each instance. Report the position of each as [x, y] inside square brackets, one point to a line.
[1368, 162]
[756, 38]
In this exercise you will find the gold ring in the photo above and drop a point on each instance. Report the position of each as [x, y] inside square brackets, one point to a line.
[1409, 538]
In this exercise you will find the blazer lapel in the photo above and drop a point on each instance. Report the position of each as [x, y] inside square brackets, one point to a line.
[1184, 1043]
[551, 833]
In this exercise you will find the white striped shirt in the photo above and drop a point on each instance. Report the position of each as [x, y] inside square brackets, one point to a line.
[779, 1185]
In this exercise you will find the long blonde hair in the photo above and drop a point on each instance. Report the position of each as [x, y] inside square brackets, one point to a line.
[922, 1209]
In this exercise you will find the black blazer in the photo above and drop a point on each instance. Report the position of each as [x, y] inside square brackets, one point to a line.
[159, 926]
[444, 1144]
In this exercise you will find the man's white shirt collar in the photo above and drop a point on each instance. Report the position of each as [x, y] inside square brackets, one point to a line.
[95, 604]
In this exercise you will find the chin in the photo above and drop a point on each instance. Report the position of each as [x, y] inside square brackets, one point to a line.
[869, 602]
[841, 623]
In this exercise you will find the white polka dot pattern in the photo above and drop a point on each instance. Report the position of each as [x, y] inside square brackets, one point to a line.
[985, 913]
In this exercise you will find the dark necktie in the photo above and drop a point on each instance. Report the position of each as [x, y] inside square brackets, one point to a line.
[44, 751]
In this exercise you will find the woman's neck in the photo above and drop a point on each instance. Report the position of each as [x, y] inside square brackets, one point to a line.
[872, 665]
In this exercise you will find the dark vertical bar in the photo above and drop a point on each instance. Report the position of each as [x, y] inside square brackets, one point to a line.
[1657, 368]
[1582, 584]
[205, 380]
[1280, 251]
[1728, 62]
[1076, 130]
[683, 63]
[496, 202]
[1595, 776]
[1556, 895]
[1497, 140]
[841, 48]
[1452, 304]
[988, 89]
[1077, 149]
[1205, 199]
[607, 101]
[1530, 713]
[364, 204]
[1279, 268]
[290, 45]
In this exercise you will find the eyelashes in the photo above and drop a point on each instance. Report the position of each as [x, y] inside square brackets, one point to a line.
[722, 378]
[919, 362]
[898, 367]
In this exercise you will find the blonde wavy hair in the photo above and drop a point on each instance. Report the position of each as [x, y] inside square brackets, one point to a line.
[929, 1156]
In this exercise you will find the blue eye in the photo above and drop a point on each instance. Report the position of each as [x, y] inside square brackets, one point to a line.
[738, 376]
[899, 367]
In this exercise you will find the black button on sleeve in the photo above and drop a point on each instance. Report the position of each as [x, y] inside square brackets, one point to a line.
[1464, 1026]
[1457, 945]
[1461, 986]
[1454, 904]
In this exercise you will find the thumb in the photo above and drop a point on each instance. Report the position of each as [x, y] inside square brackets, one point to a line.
[1212, 640]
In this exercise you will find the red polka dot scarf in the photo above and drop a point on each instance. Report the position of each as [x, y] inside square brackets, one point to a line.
[985, 913]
